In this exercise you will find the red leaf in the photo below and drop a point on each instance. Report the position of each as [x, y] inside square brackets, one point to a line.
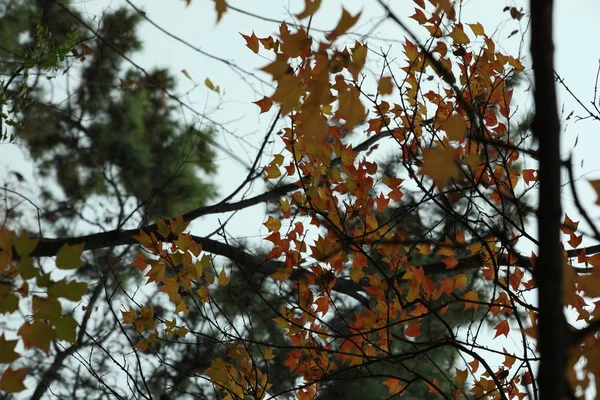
[502, 328]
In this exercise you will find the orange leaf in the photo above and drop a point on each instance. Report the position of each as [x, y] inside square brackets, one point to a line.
[251, 42]
[471, 296]
[502, 328]
[529, 175]
[265, 104]
[569, 227]
[413, 329]
[575, 240]
[394, 385]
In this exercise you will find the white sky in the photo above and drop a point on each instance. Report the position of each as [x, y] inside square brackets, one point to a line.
[576, 61]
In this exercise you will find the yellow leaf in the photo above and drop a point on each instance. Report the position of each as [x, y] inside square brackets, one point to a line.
[439, 165]
[208, 83]
[69, 257]
[220, 7]
[477, 29]
[459, 36]
[273, 224]
[268, 354]
[223, 279]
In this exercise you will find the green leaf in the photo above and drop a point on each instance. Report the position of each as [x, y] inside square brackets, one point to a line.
[69, 257]
[66, 329]
[27, 269]
[71, 290]
[24, 245]
[46, 308]
[9, 302]
[44, 281]
[7, 350]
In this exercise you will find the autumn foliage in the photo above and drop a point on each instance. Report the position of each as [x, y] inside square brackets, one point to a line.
[442, 111]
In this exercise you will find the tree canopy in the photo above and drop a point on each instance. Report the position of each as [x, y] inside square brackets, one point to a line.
[416, 245]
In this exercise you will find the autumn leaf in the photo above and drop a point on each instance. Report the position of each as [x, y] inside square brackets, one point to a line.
[439, 165]
[69, 257]
[12, 380]
[502, 328]
[386, 85]
[273, 224]
[310, 7]
[346, 22]
[459, 36]
[477, 29]
[471, 298]
[37, 334]
[265, 104]
[7, 350]
[223, 279]
[46, 308]
[220, 7]
[596, 186]
[394, 385]
[455, 127]
[413, 329]
[251, 42]
[129, 316]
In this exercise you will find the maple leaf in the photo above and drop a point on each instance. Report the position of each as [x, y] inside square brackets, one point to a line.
[251, 42]
[385, 85]
[265, 104]
[71, 290]
[394, 385]
[24, 245]
[346, 22]
[502, 328]
[7, 350]
[69, 257]
[413, 329]
[459, 36]
[12, 380]
[310, 7]
[455, 127]
[439, 165]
